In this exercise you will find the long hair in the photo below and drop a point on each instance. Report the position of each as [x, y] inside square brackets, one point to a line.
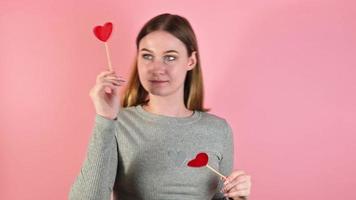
[179, 27]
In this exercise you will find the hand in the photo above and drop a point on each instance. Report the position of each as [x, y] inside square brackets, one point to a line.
[106, 103]
[237, 185]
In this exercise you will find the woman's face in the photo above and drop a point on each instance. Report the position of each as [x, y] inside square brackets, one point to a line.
[163, 62]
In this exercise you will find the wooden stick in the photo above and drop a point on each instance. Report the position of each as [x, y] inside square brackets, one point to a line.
[212, 169]
[108, 55]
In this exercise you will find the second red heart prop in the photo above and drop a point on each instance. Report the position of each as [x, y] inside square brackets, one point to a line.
[199, 161]
[103, 32]
[202, 160]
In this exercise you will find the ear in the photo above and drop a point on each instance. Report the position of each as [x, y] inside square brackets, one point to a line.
[192, 61]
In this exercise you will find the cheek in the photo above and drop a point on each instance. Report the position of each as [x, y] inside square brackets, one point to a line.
[180, 69]
[177, 74]
[141, 72]
[141, 65]
[142, 62]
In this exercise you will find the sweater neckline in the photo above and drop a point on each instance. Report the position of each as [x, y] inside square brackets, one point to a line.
[168, 119]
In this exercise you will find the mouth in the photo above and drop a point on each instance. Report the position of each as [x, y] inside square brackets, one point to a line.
[158, 81]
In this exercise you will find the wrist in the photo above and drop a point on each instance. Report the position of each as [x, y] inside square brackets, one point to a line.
[108, 117]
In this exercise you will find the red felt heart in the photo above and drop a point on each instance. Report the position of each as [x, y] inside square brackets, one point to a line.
[199, 161]
[103, 32]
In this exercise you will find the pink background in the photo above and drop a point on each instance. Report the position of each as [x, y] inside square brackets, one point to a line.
[282, 72]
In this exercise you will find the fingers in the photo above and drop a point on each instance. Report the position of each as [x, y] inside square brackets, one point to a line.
[240, 193]
[114, 82]
[242, 179]
[103, 74]
[108, 75]
[111, 77]
[233, 179]
[109, 85]
[234, 175]
[115, 79]
[238, 185]
[106, 79]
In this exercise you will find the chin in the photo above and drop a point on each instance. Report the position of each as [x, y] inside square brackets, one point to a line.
[163, 91]
[159, 92]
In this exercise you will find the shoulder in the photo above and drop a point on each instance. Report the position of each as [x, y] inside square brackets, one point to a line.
[215, 121]
[218, 128]
[211, 117]
[126, 112]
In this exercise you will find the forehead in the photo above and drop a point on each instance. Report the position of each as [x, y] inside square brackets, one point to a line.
[160, 41]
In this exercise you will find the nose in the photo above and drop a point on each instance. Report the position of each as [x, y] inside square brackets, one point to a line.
[157, 67]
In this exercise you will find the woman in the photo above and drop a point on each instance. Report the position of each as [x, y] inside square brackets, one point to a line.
[140, 151]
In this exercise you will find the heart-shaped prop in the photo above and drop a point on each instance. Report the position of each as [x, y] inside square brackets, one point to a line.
[202, 160]
[103, 32]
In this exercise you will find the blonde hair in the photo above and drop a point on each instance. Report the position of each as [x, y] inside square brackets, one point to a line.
[179, 27]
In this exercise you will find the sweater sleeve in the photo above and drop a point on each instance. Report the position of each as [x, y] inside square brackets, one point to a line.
[97, 175]
[227, 160]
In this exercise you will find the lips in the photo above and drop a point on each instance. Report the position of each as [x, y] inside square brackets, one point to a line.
[157, 81]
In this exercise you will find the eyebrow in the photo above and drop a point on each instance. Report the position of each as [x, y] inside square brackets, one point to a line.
[169, 51]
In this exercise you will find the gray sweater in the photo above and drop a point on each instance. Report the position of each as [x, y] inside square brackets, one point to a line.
[142, 155]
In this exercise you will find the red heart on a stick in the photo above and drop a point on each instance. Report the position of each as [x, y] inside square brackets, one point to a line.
[199, 161]
[103, 32]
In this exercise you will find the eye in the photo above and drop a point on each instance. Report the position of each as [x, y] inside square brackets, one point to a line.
[147, 56]
[169, 58]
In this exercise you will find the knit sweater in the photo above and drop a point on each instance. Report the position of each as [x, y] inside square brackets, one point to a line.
[142, 155]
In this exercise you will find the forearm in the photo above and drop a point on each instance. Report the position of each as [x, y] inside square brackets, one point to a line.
[97, 175]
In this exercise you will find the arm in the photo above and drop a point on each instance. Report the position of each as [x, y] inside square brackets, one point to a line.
[97, 175]
[227, 160]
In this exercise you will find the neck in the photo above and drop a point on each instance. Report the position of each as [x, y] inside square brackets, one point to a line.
[168, 106]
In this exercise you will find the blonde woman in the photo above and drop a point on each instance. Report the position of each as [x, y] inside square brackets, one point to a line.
[140, 150]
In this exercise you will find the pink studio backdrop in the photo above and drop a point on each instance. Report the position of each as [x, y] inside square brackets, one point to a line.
[281, 72]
